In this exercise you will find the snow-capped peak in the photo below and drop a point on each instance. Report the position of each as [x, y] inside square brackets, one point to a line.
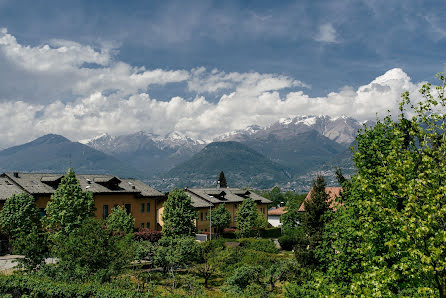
[101, 136]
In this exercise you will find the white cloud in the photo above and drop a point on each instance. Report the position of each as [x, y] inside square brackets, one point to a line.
[249, 98]
[327, 33]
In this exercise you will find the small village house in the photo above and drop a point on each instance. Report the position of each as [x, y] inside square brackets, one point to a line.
[274, 215]
[333, 192]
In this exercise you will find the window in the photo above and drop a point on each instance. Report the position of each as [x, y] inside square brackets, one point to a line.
[201, 216]
[235, 206]
[148, 207]
[128, 208]
[206, 216]
[142, 208]
[115, 206]
[148, 225]
[142, 225]
[105, 211]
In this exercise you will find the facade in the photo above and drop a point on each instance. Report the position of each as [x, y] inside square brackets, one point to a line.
[274, 215]
[141, 200]
[333, 192]
[206, 199]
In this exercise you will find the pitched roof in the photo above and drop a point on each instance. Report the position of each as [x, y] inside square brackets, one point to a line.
[207, 197]
[333, 192]
[277, 211]
[41, 184]
[8, 188]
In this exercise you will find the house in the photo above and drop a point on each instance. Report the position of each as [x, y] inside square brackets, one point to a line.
[206, 199]
[333, 192]
[109, 191]
[274, 215]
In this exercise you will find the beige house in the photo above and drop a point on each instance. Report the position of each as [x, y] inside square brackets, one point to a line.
[206, 199]
[141, 200]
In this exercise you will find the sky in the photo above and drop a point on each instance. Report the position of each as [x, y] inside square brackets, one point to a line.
[203, 68]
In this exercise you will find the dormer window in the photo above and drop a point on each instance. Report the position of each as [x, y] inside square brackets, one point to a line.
[112, 183]
[52, 181]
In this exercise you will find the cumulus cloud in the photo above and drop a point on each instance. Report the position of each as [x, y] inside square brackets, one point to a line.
[244, 98]
[327, 33]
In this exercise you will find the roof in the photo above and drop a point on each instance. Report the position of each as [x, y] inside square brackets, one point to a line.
[277, 211]
[46, 184]
[207, 197]
[8, 188]
[333, 192]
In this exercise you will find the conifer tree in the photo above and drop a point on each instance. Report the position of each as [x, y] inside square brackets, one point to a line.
[179, 215]
[69, 205]
[222, 180]
[310, 236]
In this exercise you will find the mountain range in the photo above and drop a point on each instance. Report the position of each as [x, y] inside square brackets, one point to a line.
[288, 153]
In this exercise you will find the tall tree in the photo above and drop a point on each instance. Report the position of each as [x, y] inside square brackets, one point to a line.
[222, 180]
[179, 215]
[220, 217]
[313, 221]
[120, 222]
[20, 219]
[69, 205]
[246, 217]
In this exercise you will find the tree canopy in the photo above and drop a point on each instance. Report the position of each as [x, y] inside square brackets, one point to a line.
[119, 221]
[179, 215]
[221, 217]
[246, 217]
[222, 180]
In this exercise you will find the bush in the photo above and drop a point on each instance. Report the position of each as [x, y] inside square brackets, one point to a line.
[265, 245]
[244, 276]
[288, 241]
[271, 232]
[27, 285]
[229, 233]
[144, 234]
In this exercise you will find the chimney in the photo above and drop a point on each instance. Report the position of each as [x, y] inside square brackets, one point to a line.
[16, 174]
[218, 184]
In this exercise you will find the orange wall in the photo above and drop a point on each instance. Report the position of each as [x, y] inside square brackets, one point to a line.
[119, 199]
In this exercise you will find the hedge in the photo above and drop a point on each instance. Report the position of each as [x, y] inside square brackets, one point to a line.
[265, 245]
[18, 285]
[287, 241]
[271, 232]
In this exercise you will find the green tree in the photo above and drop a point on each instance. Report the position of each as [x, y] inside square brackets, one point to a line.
[222, 180]
[20, 219]
[221, 217]
[69, 205]
[313, 221]
[179, 215]
[91, 251]
[120, 222]
[292, 217]
[276, 196]
[394, 222]
[246, 218]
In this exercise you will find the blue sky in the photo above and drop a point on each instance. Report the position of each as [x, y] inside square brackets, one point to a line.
[314, 47]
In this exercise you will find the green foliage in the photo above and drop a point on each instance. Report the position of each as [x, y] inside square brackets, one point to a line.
[271, 232]
[265, 245]
[292, 217]
[119, 221]
[179, 215]
[221, 217]
[390, 240]
[309, 236]
[244, 276]
[261, 221]
[276, 196]
[175, 252]
[69, 206]
[288, 240]
[19, 285]
[246, 218]
[91, 250]
[222, 180]
[20, 218]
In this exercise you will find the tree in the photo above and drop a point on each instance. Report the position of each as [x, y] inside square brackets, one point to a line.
[276, 196]
[221, 217]
[179, 215]
[222, 180]
[313, 221]
[120, 222]
[394, 224]
[210, 262]
[69, 205]
[91, 249]
[20, 219]
[246, 218]
[292, 217]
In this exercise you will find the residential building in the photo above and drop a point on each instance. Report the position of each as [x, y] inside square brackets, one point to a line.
[206, 199]
[108, 192]
[333, 192]
[274, 215]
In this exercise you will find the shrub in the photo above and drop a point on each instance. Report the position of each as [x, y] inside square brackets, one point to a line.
[265, 245]
[271, 233]
[244, 276]
[288, 241]
[144, 234]
[229, 233]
